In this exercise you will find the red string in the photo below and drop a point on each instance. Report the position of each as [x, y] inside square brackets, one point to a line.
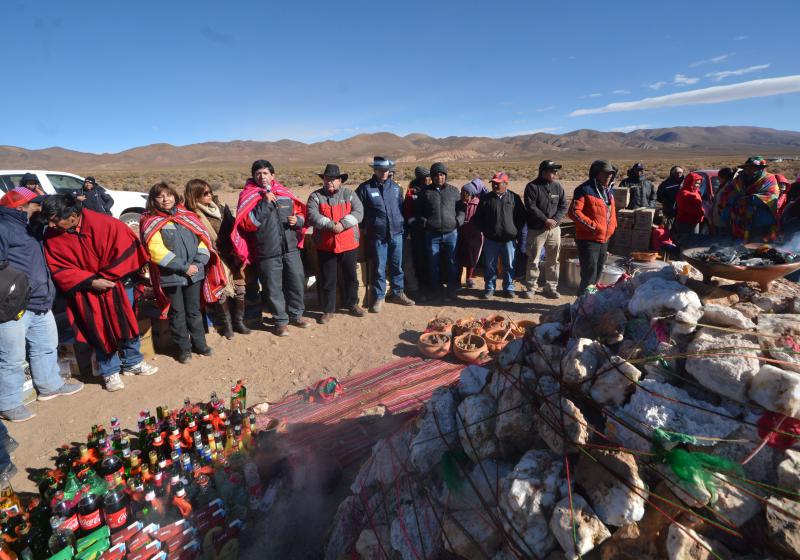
[771, 422]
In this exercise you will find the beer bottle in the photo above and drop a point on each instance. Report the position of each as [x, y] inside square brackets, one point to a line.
[9, 501]
[158, 446]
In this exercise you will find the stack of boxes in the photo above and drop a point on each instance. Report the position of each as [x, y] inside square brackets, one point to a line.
[633, 231]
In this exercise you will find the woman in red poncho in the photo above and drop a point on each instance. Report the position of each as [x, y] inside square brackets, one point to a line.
[93, 258]
[689, 204]
[184, 268]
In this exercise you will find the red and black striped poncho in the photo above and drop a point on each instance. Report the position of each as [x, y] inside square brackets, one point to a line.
[100, 247]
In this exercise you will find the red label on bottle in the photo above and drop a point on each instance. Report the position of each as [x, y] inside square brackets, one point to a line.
[117, 519]
[91, 521]
[110, 477]
[70, 523]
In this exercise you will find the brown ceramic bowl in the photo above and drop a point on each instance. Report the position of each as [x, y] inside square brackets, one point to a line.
[497, 338]
[477, 355]
[434, 348]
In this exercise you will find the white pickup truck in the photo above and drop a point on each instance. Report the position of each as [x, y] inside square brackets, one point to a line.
[128, 205]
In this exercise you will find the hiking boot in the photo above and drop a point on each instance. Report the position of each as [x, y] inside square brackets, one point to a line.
[205, 351]
[324, 318]
[377, 306]
[527, 294]
[356, 311]
[551, 294]
[113, 383]
[281, 330]
[68, 388]
[185, 357]
[19, 413]
[509, 294]
[488, 294]
[400, 298]
[300, 322]
[142, 368]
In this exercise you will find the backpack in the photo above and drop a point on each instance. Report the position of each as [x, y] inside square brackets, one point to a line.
[15, 293]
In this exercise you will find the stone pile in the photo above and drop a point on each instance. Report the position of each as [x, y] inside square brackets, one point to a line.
[550, 450]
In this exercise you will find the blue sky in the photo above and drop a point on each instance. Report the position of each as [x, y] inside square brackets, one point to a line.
[107, 76]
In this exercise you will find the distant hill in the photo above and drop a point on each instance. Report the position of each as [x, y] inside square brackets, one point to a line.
[579, 144]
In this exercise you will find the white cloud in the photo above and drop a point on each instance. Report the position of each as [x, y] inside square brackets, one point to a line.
[717, 76]
[621, 91]
[657, 85]
[681, 80]
[714, 94]
[740, 38]
[543, 109]
[713, 60]
[630, 127]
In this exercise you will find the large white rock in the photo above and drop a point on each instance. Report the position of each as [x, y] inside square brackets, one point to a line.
[789, 471]
[437, 431]
[783, 527]
[476, 424]
[470, 533]
[516, 375]
[513, 353]
[661, 298]
[385, 463]
[615, 380]
[612, 484]
[472, 380]
[735, 504]
[693, 495]
[479, 489]
[545, 359]
[562, 424]
[725, 316]
[415, 532]
[658, 405]
[783, 333]
[576, 527]
[581, 361]
[777, 390]
[548, 333]
[684, 543]
[728, 375]
[373, 545]
[515, 423]
[528, 495]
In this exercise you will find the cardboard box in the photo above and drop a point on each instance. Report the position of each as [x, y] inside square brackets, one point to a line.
[643, 218]
[623, 236]
[146, 338]
[625, 219]
[641, 242]
[67, 360]
[622, 196]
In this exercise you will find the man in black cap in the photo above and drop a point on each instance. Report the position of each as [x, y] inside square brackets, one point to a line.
[383, 223]
[94, 197]
[546, 205]
[667, 193]
[643, 195]
[441, 211]
[414, 250]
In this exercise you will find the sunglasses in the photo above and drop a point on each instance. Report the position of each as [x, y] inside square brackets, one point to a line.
[206, 193]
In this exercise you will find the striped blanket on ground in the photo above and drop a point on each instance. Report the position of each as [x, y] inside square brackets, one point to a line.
[343, 429]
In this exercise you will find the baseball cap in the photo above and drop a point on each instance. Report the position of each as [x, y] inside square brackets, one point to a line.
[19, 197]
[549, 165]
[500, 177]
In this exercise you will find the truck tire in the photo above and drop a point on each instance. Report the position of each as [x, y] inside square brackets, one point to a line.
[131, 219]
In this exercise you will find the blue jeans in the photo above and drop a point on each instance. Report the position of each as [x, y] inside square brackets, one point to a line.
[492, 251]
[128, 350]
[442, 247]
[39, 333]
[391, 250]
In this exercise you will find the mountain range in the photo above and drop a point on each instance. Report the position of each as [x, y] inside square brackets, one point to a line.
[579, 144]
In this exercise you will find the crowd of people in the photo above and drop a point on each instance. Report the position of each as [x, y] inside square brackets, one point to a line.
[194, 253]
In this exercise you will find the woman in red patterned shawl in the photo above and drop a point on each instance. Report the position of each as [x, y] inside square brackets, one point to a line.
[753, 202]
[184, 268]
[93, 259]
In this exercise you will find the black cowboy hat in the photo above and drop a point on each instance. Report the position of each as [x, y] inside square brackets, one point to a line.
[332, 170]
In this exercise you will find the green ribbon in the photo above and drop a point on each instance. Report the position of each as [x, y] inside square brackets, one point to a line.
[450, 471]
[699, 468]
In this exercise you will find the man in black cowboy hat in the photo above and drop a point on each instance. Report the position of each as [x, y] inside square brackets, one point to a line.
[643, 194]
[383, 224]
[334, 211]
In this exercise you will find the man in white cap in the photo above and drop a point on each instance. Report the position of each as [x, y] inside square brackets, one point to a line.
[383, 225]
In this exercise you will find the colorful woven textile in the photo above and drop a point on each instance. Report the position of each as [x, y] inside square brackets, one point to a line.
[344, 428]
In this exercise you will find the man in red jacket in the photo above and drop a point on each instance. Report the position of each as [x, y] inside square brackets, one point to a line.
[595, 218]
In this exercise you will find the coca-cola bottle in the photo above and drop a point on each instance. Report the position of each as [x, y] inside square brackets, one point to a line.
[65, 512]
[115, 509]
[110, 466]
[61, 537]
[89, 515]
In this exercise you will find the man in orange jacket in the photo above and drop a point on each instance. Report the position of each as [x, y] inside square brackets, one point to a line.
[595, 218]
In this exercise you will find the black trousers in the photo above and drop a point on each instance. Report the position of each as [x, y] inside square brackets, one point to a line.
[592, 257]
[329, 266]
[185, 319]
[283, 279]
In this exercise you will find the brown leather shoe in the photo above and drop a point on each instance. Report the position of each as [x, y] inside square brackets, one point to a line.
[400, 298]
[324, 318]
[300, 322]
[281, 330]
[357, 311]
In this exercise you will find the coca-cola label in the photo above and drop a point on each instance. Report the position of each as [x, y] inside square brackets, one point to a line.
[117, 519]
[110, 477]
[90, 521]
[70, 523]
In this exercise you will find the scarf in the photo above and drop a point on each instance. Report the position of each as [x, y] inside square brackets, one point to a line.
[248, 199]
[212, 211]
[215, 279]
